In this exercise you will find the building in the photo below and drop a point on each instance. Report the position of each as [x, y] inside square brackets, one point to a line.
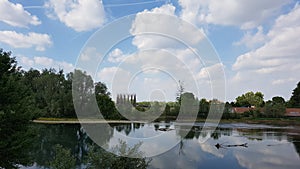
[241, 110]
[292, 112]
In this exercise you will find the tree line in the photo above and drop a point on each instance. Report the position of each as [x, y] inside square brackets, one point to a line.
[48, 93]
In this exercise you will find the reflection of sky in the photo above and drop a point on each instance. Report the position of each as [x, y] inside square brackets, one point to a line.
[267, 148]
[153, 142]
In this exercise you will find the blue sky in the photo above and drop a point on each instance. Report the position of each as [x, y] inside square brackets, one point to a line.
[257, 43]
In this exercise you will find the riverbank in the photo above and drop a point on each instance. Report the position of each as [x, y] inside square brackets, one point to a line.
[76, 121]
[277, 122]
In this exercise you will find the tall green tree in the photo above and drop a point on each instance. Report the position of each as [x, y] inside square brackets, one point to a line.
[180, 91]
[295, 98]
[15, 113]
[275, 108]
[250, 99]
[203, 108]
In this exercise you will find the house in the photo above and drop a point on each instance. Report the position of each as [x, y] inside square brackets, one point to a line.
[292, 112]
[240, 110]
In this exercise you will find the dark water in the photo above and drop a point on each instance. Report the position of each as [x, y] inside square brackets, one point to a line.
[267, 146]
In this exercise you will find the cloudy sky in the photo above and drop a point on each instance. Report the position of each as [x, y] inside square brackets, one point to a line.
[219, 50]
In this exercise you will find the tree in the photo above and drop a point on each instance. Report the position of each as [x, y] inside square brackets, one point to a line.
[203, 108]
[15, 113]
[101, 89]
[278, 99]
[295, 98]
[99, 158]
[180, 91]
[189, 105]
[63, 158]
[275, 108]
[250, 99]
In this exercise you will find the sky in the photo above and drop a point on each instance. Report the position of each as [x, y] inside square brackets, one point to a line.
[215, 49]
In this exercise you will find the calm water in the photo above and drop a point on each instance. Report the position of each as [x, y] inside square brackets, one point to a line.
[267, 146]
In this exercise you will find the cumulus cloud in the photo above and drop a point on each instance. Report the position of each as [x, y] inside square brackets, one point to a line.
[80, 15]
[251, 40]
[242, 13]
[19, 40]
[15, 15]
[161, 28]
[116, 56]
[42, 62]
[275, 60]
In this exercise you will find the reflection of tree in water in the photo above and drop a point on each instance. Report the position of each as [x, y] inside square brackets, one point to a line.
[99, 158]
[221, 131]
[127, 128]
[71, 137]
[15, 142]
[295, 139]
[68, 136]
[263, 133]
[187, 132]
[297, 146]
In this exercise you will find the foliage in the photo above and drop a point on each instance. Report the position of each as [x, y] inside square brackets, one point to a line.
[15, 113]
[278, 99]
[250, 99]
[275, 108]
[180, 91]
[203, 108]
[99, 158]
[63, 158]
[189, 104]
[295, 98]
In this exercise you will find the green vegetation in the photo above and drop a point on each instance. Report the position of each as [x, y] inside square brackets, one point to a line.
[48, 94]
[295, 99]
[99, 158]
[15, 112]
[63, 158]
[250, 99]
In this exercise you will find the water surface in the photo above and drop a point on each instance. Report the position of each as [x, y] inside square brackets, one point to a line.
[242, 145]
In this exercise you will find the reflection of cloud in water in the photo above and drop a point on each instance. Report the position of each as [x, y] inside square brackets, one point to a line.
[263, 156]
[211, 149]
[153, 142]
[188, 157]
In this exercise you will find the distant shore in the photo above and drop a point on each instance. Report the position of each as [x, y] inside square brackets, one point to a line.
[279, 121]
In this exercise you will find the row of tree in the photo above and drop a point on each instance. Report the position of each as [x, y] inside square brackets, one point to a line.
[49, 94]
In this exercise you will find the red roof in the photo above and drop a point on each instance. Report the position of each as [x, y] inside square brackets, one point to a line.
[240, 109]
[294, 112]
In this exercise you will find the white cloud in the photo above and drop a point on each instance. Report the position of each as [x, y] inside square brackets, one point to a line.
[161, 28]
[117, 79]
[80, 15]
[116, 56]
[41, 62]
[211, 72]
[89, 55]
[283, 81]
[242, 13]
[19, 40]
[15, 15]
[251, 40]
[275, 61]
